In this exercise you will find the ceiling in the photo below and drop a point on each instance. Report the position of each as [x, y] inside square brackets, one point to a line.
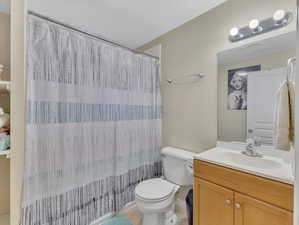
[129, 22]
[267, 46]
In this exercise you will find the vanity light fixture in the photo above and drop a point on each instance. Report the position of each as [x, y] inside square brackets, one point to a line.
[234, 31]
[255, 27]
[279, 16]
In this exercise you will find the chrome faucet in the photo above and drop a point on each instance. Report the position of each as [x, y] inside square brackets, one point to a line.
[251, 148]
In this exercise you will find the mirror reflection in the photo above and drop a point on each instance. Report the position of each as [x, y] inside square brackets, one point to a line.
[255, 92]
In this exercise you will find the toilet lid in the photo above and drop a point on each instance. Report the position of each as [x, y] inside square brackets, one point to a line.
[154, 189]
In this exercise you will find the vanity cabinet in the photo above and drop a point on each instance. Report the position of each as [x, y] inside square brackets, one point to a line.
[214, 205]
[224, 196]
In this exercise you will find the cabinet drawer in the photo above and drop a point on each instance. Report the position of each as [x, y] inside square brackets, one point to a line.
[267, 190]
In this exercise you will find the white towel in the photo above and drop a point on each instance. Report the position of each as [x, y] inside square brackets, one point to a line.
[284, 122]
[292, 94]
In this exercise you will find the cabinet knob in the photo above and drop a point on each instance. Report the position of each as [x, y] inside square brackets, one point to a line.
[228, 202]
[238, 206]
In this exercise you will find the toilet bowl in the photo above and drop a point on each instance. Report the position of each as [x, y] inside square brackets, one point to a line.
[155, 198]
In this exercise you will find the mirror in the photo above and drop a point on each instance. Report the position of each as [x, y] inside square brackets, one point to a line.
[249, 78]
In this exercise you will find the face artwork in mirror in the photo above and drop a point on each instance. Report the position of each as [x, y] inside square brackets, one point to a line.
[251, 79]
[237, 87]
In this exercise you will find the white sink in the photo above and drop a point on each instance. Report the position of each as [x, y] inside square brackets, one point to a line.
[255, 162]
[268, 166]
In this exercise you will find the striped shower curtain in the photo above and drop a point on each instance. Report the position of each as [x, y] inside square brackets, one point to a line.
[93, 126]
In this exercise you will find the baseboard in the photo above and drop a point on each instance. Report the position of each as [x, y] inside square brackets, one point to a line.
[102, 219]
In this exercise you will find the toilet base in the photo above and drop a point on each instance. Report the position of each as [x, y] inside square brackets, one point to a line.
[153, 219]
[168, 218]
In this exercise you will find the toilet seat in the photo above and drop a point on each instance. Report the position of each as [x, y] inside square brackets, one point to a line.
[154, 190]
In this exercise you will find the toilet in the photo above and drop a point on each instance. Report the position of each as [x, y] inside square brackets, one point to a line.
[155, 198]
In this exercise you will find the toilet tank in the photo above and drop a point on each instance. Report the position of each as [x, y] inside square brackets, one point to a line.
[174, 162]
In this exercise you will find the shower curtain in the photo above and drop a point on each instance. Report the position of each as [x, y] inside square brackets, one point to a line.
[93, 127]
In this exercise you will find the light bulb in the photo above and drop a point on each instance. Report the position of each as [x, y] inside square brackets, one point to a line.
[234, 31]
[254, 24]
[279, 15]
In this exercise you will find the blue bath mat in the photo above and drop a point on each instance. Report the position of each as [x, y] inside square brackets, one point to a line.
[117, 220]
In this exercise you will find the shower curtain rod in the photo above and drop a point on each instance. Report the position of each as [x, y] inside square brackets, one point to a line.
[88, 33]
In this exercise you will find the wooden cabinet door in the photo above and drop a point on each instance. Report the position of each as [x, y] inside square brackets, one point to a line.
[213, 204]
[249, 211]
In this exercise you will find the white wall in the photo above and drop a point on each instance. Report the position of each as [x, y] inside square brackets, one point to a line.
[155, 51]
[190, 111]
[232, 123]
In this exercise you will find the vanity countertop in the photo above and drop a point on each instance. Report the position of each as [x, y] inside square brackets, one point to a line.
[272, 166]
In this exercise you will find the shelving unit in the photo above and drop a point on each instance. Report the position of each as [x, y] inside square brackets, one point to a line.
[7, 154]
[5, 90]
[6, 71]
[4, 86]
